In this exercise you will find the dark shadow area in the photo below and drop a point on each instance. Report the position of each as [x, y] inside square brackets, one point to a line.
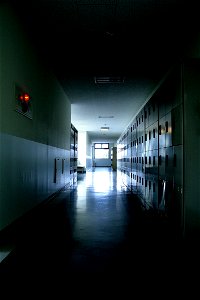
[103, 240]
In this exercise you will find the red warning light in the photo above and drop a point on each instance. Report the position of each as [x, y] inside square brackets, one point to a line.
[26, 97]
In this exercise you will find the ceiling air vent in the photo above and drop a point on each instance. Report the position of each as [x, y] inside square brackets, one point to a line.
[108, 79]
[104, 128]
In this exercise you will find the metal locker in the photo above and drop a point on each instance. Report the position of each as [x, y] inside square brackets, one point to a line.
[141, 121]
[161, 107]
[134, 163]
[139, 184]
[154, 169]
[146, 138]
[150, 192]
[177, 125]
[143, 186]
[178, 165]
[139, 163]
[134, 182]
[154, 143]
[169, 163]
[161, 162]
[166, 95]
[129, 156]
[165, 196]
[139, 142]
[168, 130]
[137, 124]
[147, 200]
[168, 102]
[150, 161]
[146, 121]
[150, 138]
[128, 141]
[161, 132]
[169, 197]
[153, 191]
[142, 147]
[129, 183]
[162, 188]
[152, 111]
[134, 144]
[146, 161]
[149, 113]
[143, 161]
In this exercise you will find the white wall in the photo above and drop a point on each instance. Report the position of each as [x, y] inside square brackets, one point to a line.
[28, 148]
[82, 148]
[88, 152]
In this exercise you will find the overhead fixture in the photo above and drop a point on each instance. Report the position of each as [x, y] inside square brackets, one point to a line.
[108, 79]
[106, 117]
[104, 128]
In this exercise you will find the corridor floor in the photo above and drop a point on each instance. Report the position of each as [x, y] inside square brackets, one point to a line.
[97, 229]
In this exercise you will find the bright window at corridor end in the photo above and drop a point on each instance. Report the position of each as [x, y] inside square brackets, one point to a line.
[101, 150]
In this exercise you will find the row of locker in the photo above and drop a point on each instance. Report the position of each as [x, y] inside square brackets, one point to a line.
[166, 99]
[156, 192]
[166, 132]
[165, 162]
[150, 152]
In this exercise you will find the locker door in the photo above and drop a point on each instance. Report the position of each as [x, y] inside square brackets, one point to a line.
[153, 191]
[178, 165]
[161, 132]
[177, 125]
[169, 163]
[155, 136]
[147, 142]
[155, 162]
[168, 130]
[161, 162]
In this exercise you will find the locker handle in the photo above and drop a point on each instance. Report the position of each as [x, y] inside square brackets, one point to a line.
[154, 133]
[159, 160]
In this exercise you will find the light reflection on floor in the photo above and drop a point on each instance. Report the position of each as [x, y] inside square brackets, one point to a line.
[102, 180]
[99, 214]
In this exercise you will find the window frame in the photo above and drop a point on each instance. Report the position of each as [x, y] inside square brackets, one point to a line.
[101, 146]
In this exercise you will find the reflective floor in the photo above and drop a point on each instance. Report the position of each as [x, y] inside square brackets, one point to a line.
[95, 231]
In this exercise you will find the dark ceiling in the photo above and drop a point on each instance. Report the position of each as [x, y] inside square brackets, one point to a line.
[105, 36]
[87, 38]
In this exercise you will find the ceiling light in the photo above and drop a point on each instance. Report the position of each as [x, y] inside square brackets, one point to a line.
[106, 117]
[104, 128]
[109, 79]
